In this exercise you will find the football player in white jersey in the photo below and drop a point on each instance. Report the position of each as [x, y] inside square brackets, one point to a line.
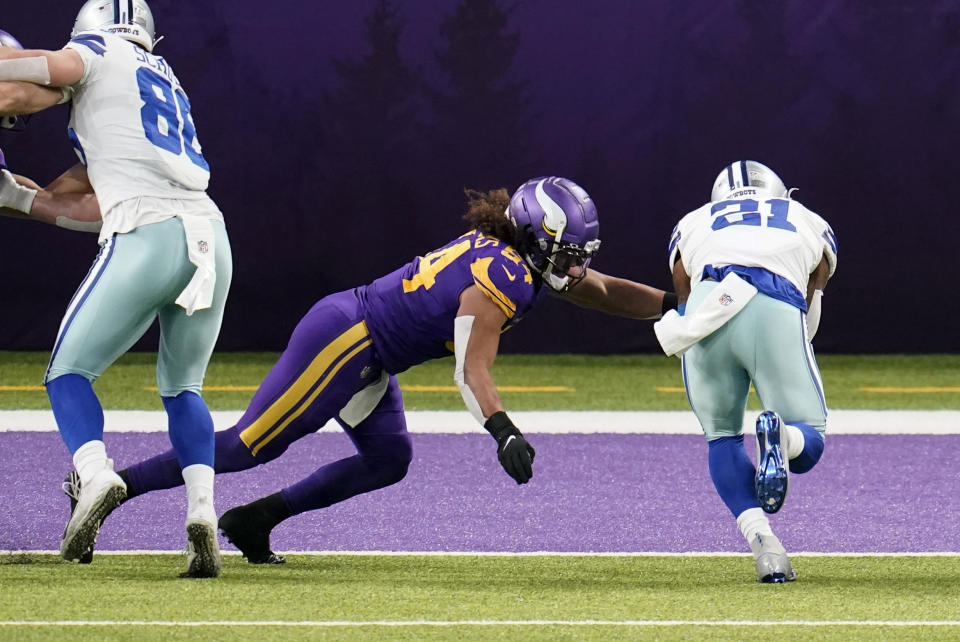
[164, 254]
[751, 265]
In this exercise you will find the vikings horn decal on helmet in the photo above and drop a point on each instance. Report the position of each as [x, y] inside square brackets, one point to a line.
[747, 174]
[129, 19]
[561, 221]
[10, 122]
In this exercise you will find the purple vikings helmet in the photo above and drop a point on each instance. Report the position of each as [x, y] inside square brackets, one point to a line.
[10, 122]
[563, 228]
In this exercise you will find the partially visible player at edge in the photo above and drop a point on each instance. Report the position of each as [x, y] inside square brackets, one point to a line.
[343, 356]
[66, 202]
[751, 266]
[164, 254]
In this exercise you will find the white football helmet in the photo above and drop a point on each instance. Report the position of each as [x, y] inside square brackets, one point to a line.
[129, 19]
[749, 174]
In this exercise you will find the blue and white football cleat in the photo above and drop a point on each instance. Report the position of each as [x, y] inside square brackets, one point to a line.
[773, 565]
[773, 475]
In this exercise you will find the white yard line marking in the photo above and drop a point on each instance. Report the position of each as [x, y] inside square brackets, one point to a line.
[484, 623]
[673, 422]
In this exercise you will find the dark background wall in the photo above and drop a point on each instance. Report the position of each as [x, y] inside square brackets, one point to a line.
[341, 136]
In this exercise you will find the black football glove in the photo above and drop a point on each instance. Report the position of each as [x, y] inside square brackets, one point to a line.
[514, 452]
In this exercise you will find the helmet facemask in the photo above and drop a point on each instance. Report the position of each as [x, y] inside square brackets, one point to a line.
[14, 123]
[561, 265]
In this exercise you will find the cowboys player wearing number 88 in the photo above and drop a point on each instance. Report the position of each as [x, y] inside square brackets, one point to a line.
[164, 253]
[343, 356]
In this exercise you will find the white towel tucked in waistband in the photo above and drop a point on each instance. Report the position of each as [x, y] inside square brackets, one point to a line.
[201, 249]
[677, 334]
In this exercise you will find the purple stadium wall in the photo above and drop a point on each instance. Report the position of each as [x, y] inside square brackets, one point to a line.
[335, 161]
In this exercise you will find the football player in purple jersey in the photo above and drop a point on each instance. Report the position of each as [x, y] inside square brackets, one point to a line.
[342, 359]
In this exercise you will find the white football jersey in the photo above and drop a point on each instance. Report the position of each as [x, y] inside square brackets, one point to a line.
[776, 234]
[131, 126]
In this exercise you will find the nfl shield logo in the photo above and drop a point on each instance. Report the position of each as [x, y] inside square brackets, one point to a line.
[203, 247]
[725, 299]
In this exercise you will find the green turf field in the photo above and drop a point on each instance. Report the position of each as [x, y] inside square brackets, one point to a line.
[410, 597]
[465, 597]
[639, 382]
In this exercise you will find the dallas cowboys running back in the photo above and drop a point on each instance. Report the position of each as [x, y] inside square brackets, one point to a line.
[164, 254]
[344, 354]
[753, 263]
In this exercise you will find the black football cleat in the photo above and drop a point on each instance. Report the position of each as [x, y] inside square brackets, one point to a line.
[242, 528]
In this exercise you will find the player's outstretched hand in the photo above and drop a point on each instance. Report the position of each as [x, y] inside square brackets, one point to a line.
[513, 450]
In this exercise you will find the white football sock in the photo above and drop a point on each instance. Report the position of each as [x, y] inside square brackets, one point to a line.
[90, 459]
[199, 481]
[795, 441]
[753, 522]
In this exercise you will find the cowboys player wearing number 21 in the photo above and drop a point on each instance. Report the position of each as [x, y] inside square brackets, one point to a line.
[164, 254]
[752, 264]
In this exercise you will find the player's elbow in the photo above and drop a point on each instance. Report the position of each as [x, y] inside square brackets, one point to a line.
[66, 67]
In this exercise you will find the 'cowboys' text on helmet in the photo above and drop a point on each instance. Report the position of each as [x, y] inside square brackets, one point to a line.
[129, 19]
[747, 174]
[562, 229]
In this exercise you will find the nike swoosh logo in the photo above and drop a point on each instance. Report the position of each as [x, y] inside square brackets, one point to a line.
[507, 442]
[509, 276]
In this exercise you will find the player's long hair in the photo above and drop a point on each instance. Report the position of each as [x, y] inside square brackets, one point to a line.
[486, 213]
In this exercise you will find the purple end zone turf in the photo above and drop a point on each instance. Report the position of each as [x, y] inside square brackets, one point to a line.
[618, 493]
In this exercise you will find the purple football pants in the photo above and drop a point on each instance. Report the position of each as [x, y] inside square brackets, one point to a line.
[330, 357]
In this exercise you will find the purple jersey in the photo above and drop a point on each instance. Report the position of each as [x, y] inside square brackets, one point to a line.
[410, 312]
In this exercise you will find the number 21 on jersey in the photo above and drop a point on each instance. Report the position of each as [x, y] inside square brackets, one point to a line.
[770, 213]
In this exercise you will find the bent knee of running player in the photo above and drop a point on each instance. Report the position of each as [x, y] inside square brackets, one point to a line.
[304, 400]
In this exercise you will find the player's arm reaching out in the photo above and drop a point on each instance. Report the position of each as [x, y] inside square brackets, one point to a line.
[620, 297]
[60, 68]
[67, 202]
[476, 340]
[18, 98]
